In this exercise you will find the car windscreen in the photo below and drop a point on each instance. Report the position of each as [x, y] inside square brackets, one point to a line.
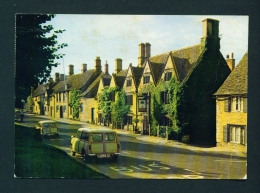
[52, 125]
[110, 137]
[97, 137]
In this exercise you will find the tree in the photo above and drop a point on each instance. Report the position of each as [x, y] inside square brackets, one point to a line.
[36, 51]
[74, 102]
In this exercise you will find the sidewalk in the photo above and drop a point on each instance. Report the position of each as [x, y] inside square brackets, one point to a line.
[160, 141]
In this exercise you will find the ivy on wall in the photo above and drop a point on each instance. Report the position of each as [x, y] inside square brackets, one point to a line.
[74, 102]
[170, 110]
[117, 109]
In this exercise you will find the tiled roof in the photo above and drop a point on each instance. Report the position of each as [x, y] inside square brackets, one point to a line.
[120, 78]
[157, 64]
[137, 73]
[184, 59]
[236, 82]
[76, 81]
[92, 90]
[40, 90]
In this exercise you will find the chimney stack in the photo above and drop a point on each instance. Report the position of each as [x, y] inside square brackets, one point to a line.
[71, 69]
[141, 54]
[57, 78]
[61, 77]
[84, 68]
[118, 65]
[210, 38]
[231, 61]
[98, 64]
[106, 68]
[147, 50]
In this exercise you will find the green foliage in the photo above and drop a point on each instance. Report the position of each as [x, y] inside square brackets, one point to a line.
[36, 51]
[74, 102]
[119, 108]
[171, 110]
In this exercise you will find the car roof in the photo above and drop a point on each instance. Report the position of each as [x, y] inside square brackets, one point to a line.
[47, 121]
[93, 130]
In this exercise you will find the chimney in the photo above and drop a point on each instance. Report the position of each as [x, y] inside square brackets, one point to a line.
[147, 50]
[106, 68]
[98, 64]
[71, 69]
[57, 78]
[62, 77]
[231, 61]
[141, 54]
[118, 65]
[84, 68]
[210, 38]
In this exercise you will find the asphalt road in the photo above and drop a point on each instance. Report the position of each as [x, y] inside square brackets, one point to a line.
[146, 160]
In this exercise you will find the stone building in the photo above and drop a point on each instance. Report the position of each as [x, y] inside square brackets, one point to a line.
[231, 111]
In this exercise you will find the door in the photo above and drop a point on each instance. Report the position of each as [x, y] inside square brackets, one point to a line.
[61, 112]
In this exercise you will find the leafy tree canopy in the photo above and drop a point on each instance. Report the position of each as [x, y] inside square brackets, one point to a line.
[74, 102]
[36, 51]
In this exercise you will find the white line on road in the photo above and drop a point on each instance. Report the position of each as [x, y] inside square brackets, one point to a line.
[144, 157]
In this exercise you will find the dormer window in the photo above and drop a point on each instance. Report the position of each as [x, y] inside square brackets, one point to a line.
[129, 82]
[146, 79]
[167, 76]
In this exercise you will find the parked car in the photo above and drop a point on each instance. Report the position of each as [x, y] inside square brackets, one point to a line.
[48, 127]
[95, 143]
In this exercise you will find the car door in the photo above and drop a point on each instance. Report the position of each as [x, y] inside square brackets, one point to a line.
[97, 145]
[110, 142]
[83, 142]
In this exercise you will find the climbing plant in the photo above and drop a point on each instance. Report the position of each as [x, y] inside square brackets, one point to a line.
[74, 102]
[171, 110]
[119, 108]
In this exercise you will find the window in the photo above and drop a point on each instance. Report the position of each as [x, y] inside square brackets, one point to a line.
[112, 96]
[129, 120]
[235, 104]
[110, 137]
[78, 134]
[129, 100]
[146, 79]
[97, 137]
[129, 82]
[235, 134]
[57, 108]
[165, 97]
[64, 96]
[84, 136]
[168, 76]
[81, 107]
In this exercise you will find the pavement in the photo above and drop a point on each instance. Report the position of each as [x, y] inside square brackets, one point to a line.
[230, 151]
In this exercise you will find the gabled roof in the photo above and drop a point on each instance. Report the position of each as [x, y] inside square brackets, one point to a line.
[92, 90]
[106, 79]
[137, 73]
[157, 64]
[236, 82]
[76, 81]
[40, 90]
[184, 59]
[120, 78]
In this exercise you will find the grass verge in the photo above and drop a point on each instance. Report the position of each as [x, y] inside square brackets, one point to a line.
[35, 159]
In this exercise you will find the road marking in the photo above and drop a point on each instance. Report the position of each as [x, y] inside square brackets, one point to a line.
[192, 171]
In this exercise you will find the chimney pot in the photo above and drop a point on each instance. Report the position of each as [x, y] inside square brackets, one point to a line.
[227, 56]
[57, 78]
[106, 68]
[84, 68]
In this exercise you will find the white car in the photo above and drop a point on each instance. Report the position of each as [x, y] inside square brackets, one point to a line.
[47, 128]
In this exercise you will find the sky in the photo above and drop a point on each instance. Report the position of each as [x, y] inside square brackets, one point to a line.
[118, 36]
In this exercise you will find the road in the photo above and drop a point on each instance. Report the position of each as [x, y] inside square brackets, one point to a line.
[146, 160]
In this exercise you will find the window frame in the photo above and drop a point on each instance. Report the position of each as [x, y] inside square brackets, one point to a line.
[146, 79]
